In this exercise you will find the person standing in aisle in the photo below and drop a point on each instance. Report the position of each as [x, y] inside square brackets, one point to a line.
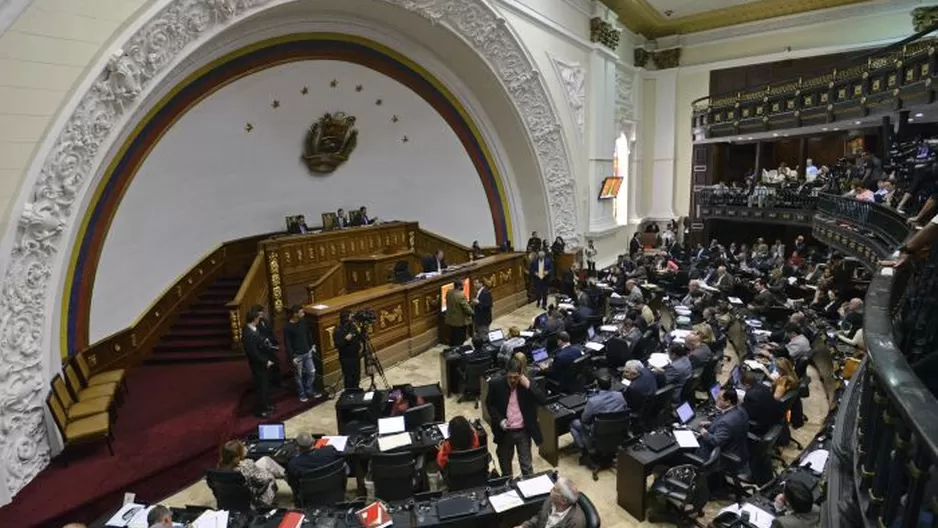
[590, 254]
[256, 348]
[348, 342]
[300, 350]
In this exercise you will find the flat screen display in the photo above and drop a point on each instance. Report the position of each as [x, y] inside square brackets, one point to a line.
[610, 188]
[685, 413]
[270, 432]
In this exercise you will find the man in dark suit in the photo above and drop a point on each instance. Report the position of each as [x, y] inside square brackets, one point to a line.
[341, 219]
[635, 245]
[761, 406]
[363, 218]
[299, 226]
[678, 371]
[604, 400]
[561, 369]
[481, 309]
[434, 263]
[763, 300]
[512, 403]
[729, 431]
[642, 384]
[540, 272]
[534, 243]
[256, 348]
[308, 459]
[267, 332]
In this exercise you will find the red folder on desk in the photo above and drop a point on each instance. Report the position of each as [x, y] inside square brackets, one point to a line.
[375, 515]
[292, 520]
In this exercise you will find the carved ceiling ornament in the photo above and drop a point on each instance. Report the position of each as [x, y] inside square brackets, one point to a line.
[572, 77]
[115, 93]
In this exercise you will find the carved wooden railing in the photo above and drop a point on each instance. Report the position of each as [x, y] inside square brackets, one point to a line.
[427, 243]
[253, 291]
[894, 77]
[128, 347]
[331, 284]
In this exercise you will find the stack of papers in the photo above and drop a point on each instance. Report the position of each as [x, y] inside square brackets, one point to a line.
[686, 439]
[707, 287]
[387, 443]
[757, 516]
[566, 306]
[659, 360]
[594, 346]
[817, 459]
[212, 519]
[608, 328]
[444, 429]
[338, 442]
[679, 335]
[735, 300]
[131, 515]
[505, 501]
[535, 487]
[526, 333]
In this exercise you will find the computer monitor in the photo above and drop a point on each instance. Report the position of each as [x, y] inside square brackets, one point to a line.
[271, 432]
[735, 374]
[496, 335]
[394, 424]
[590, 332]
[715, 391]
[449, 286]
[539, 355]
[685, 413]
[418, 416]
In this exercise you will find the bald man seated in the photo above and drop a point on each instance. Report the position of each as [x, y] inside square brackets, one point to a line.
[560, 510]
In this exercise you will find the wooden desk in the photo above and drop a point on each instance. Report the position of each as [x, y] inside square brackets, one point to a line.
[555, 420]
[633, 465]
[375, 270]
[408, 314]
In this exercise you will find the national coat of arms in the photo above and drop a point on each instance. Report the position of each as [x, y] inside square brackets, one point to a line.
[330, 142]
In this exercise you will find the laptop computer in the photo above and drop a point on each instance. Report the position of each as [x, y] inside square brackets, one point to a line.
[392, 425]
[572, 401]
[270, 438]
[715, 391]
[539, 356]
[496, 337]
[734, 375]
[685, 413]
[455, 507]
[590, 333]
[658, 442]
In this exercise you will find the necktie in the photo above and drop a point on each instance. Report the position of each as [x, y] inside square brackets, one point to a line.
[540, 269]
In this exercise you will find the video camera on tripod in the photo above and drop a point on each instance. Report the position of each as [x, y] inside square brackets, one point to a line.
[365, 318]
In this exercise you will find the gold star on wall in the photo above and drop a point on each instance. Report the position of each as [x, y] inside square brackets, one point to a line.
[248, 128]
[304, 91]
[378, 102]
[405, 139]
[334, 83]
[359, 88]
[275, 104]
[395, 119]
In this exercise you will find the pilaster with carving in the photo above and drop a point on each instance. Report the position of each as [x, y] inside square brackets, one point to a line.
[572, 77]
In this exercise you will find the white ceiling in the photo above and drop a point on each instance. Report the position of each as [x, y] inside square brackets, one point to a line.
[683, 8]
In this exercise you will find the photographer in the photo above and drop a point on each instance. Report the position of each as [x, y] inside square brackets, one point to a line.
[348, 342]
[259, 351]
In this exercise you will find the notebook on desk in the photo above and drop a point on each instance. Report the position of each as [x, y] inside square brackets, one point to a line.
[572, 401]
[455, 507]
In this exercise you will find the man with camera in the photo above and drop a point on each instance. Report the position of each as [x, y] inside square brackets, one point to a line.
[348, 342]
[261, 353]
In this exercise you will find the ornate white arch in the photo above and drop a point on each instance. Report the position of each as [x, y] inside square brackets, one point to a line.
[69, 161]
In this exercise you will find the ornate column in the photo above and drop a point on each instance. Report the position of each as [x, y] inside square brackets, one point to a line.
[628, 119]
[663, 165]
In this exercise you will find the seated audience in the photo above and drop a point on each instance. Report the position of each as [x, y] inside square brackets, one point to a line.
[786, 380]
[794, 507]
[406, 399]
[363, 218]
[560, 510]
[298, 227]
[763, 300]
[698, 351]
[555, 321]
[434, 263]
[160, 517]
[462, 437]
[642, 384]
[341, 219]
[604, 400]
[760, 404]
[561, 370]
[678, 371]
[260, 479]
[309, 458]
[514, 342]
[729, 431]
[851, 317]
[633, 294]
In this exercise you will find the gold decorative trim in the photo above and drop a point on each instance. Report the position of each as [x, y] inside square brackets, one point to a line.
[642, 18]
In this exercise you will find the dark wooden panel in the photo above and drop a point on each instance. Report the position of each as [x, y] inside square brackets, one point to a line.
[744, 77]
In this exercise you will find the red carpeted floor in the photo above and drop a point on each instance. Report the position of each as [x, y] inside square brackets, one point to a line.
[168, 432]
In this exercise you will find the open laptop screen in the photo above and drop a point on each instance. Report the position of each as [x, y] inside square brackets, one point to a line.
[715, 391]
[590, 332]
[685, 413]
[270, 432]
[496, 335]
[394, 424]
[539, 355]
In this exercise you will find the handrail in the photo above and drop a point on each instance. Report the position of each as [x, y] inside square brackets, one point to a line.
[127, 347]
[331, 284]
[790, 85]
[253, 290]
[427, 243]
[768, 198]
[885, 222]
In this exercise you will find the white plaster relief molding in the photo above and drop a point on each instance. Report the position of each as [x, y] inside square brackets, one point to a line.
[572, 77]
[625, 98]
[118, 89]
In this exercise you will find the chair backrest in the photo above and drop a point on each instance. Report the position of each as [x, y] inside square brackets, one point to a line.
[393, 475]
[618, 352]
[467, 469]
[323, 486]
[354, 216]
[609, 431]
[291, 222]
[329, 221]
[419, 415]
[58, 412]
[656, 405]
[475, 369]
[73, 381]
[230, 489]
[82, 365]
[62, 393]
[589, 511]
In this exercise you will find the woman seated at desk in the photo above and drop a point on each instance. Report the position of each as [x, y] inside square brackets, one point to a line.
[785, 379]
[462, 437]
[406, 398]
[260, 476]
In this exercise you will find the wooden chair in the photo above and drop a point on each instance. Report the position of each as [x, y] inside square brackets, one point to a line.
[83, 393]
[103, 378]
[83, 430]
[329, 221]
[76, 410]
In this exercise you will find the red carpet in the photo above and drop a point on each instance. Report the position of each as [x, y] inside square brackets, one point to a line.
[168, 432]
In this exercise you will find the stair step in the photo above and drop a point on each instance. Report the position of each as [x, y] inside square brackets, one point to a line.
[203, 311]
[194, 358]
[198, 321]
[192, 344]
[197, 331]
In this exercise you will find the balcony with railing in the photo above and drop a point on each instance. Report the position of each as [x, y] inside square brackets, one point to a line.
[895, 77]
[885, 445]
[765, 205]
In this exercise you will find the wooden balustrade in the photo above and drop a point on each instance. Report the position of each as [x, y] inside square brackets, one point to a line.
[253, 291]
[128, 347]
[427, 243]
[331, 284]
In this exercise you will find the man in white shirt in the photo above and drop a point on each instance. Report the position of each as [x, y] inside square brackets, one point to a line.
[810, 172]
[560, 510]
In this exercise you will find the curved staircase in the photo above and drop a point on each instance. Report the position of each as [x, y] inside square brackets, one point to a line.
[202, 332]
